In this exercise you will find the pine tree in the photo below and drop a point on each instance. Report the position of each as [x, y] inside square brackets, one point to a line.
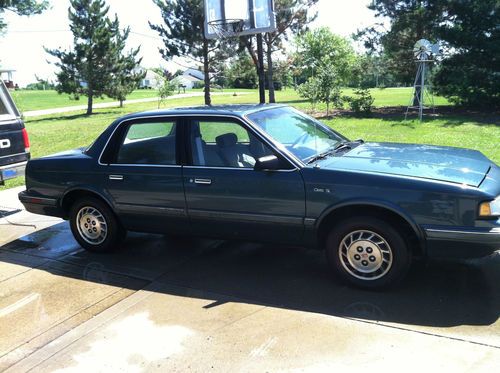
[183, 35]
[470, 76]
[410, 20]
[126, 76]
[88, 68]
[22, 8]
[468, 73]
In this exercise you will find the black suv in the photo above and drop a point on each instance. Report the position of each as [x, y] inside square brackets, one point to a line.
[14, 142]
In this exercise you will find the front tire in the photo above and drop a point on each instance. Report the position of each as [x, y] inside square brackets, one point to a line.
[368, 252]
[95, 226]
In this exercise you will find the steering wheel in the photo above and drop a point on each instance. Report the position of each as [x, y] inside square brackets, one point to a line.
[300, 139]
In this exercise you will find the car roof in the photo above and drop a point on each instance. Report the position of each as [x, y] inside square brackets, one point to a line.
[233, 110]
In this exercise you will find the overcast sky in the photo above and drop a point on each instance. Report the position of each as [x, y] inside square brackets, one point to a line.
[21, 48]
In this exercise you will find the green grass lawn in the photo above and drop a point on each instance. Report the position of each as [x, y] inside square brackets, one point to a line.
[40, 100]
[54, 133]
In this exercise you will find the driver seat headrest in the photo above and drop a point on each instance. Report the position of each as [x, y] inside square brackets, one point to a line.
[226, 140]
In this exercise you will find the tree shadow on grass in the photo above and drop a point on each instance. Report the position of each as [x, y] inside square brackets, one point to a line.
[72, 117]
[294, 101]
[459, 121]
[449, 116]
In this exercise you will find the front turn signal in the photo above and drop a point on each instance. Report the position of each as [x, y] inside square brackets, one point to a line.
[490, 209]
[484, 209]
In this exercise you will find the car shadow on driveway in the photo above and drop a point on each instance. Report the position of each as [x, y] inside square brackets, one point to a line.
[436, 294]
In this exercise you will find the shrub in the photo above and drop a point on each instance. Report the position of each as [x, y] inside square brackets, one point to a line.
[310, 91]
[198, 85]
[324, 87]
[362, 102]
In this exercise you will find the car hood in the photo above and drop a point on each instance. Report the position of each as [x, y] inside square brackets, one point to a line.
[455, 165]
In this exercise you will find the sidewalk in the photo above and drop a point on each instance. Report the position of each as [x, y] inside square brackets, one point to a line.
[36, 113]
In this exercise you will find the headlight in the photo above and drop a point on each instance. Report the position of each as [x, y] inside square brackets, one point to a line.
[489, 209]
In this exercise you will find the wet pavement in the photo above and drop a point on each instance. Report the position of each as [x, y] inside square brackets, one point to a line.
[161, 304]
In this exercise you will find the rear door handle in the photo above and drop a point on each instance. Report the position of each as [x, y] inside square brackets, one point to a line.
[115, 177]
[203, 181]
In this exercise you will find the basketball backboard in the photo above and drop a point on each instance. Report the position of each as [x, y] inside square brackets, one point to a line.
[254, 16]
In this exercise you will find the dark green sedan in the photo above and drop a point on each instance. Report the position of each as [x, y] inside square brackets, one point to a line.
[271, 173]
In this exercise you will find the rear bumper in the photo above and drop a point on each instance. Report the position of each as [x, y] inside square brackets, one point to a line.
[11, 171]
[41, 205]
[462, 243]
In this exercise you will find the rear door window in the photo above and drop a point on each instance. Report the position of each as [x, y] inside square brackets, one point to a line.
[152, 143]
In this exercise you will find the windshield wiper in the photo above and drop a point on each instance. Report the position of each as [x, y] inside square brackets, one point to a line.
[338, 147]
[320, 156]
[346, 145]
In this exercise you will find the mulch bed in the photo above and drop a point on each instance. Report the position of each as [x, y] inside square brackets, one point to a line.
[398, 112]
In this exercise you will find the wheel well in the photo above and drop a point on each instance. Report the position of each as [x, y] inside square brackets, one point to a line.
[74, 195]
[382, 213]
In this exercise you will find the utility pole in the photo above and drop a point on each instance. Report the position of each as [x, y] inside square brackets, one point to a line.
[262, 81]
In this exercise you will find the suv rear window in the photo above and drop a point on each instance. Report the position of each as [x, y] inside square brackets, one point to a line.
[3, 109]
[7, 106]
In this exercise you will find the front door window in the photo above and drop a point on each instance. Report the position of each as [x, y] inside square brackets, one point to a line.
[224, 143]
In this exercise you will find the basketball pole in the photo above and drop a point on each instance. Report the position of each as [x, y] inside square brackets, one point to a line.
[262, 82]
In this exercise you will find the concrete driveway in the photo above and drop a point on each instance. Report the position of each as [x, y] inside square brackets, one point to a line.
[161, 304]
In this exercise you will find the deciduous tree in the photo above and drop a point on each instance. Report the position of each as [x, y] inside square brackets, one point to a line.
[321, 47]
[241, 72]
[323, 87]
[166, 85]
[292, 18]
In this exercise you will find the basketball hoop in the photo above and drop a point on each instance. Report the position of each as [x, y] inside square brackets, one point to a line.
[226, 28]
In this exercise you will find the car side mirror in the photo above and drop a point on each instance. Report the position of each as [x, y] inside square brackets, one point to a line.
[269, 163]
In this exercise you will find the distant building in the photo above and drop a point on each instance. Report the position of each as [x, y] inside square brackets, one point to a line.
[7, 76]
[150, 81]
[195, 73]
[188, 80]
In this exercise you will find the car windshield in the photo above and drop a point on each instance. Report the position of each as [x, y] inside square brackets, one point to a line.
[301, 135]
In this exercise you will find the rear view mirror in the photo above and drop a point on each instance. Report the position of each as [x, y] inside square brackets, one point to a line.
[269, 163]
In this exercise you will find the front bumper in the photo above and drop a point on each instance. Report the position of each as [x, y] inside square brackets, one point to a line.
[41, 205]
[454, 242]
[11, 171]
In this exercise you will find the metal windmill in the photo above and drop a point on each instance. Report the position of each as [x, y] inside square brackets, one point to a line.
[425, 53]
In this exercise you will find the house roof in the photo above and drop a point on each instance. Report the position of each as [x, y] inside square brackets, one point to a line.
[194, 73]
[190, 78]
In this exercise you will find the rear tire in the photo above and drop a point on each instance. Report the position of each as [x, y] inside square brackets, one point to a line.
[368, 252]
[95, 226]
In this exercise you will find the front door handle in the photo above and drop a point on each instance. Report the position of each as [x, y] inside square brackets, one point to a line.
[203, 181]
[115, 177]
